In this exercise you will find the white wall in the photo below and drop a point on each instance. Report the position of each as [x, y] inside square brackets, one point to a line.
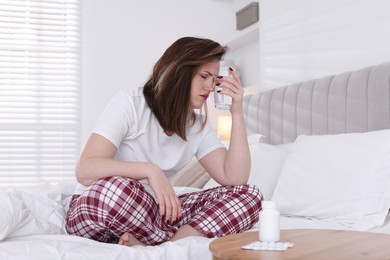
[299, 40]
[305, 39]
[246, 54]
[123, 39]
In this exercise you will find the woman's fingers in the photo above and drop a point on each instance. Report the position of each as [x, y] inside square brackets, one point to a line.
[230, 87]
[230, 83]
[170, 207]
[161, 203]
[174, 210]
[169, 204]
[178, 207]
[233, 72]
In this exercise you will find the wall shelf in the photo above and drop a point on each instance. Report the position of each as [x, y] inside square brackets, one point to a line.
[244, 51]
[243, 37]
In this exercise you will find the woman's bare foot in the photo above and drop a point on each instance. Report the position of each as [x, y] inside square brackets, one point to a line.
[128, 239]
[186, 231]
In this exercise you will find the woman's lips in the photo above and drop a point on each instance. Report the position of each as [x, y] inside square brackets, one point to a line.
[204, 96]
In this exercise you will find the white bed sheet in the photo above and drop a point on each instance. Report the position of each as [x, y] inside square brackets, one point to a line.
[40, 243]
[65, 247]
[294, 223]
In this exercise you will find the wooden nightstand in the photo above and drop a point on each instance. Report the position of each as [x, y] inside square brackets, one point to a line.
[308, 244]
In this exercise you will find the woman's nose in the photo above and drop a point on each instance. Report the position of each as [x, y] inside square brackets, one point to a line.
[211, 86]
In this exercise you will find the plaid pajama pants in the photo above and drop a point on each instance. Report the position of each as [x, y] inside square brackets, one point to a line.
[114, 205]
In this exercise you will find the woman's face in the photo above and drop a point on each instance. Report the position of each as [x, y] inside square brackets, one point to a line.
[203, 83]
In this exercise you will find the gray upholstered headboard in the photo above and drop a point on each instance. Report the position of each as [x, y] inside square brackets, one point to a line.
[357, 101]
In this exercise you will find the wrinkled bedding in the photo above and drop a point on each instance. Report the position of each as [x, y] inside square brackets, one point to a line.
[32, 227]
[64, 247]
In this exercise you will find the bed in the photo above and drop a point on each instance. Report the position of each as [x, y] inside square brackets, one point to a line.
[320, 149]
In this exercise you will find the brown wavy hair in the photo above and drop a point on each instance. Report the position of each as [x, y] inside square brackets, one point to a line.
[167, 91]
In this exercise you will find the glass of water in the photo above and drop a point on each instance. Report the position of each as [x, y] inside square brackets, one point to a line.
[222, 101]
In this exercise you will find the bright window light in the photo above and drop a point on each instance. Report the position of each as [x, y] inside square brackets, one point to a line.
[39, 91]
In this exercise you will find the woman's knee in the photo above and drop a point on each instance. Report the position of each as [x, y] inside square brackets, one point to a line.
[114, 186]
[252, 191]
[112, 193]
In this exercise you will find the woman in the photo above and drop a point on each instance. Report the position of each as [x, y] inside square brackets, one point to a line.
[144, 137]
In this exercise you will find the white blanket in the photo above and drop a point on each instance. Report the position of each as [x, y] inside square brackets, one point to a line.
[64, 247]
[32, 224]
[34, 210]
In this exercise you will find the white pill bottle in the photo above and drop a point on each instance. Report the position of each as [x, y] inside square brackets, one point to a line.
[269, 222]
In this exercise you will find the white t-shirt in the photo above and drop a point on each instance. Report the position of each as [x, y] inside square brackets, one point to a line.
[130, 125]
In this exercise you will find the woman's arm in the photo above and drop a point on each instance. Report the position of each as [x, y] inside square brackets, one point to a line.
[97, 161]
[231, 167]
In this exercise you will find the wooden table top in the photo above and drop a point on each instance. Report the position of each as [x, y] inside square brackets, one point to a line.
[308, 244]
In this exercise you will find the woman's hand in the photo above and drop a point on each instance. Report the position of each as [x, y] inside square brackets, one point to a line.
[170, 208]
[231, 86]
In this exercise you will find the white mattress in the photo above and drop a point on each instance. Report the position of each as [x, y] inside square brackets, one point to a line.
[35, 239]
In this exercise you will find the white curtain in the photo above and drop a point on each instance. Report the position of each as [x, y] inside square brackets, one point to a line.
[39, 91]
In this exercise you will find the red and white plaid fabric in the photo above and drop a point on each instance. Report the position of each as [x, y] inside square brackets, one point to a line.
[114, 205]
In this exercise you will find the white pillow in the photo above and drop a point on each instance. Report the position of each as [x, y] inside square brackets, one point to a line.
[267, 161]
[342, 178]
[34, 210]
[14, 214]
[45, 202]
[266, 164]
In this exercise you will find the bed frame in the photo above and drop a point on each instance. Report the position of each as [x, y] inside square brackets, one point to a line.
[357, 101]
